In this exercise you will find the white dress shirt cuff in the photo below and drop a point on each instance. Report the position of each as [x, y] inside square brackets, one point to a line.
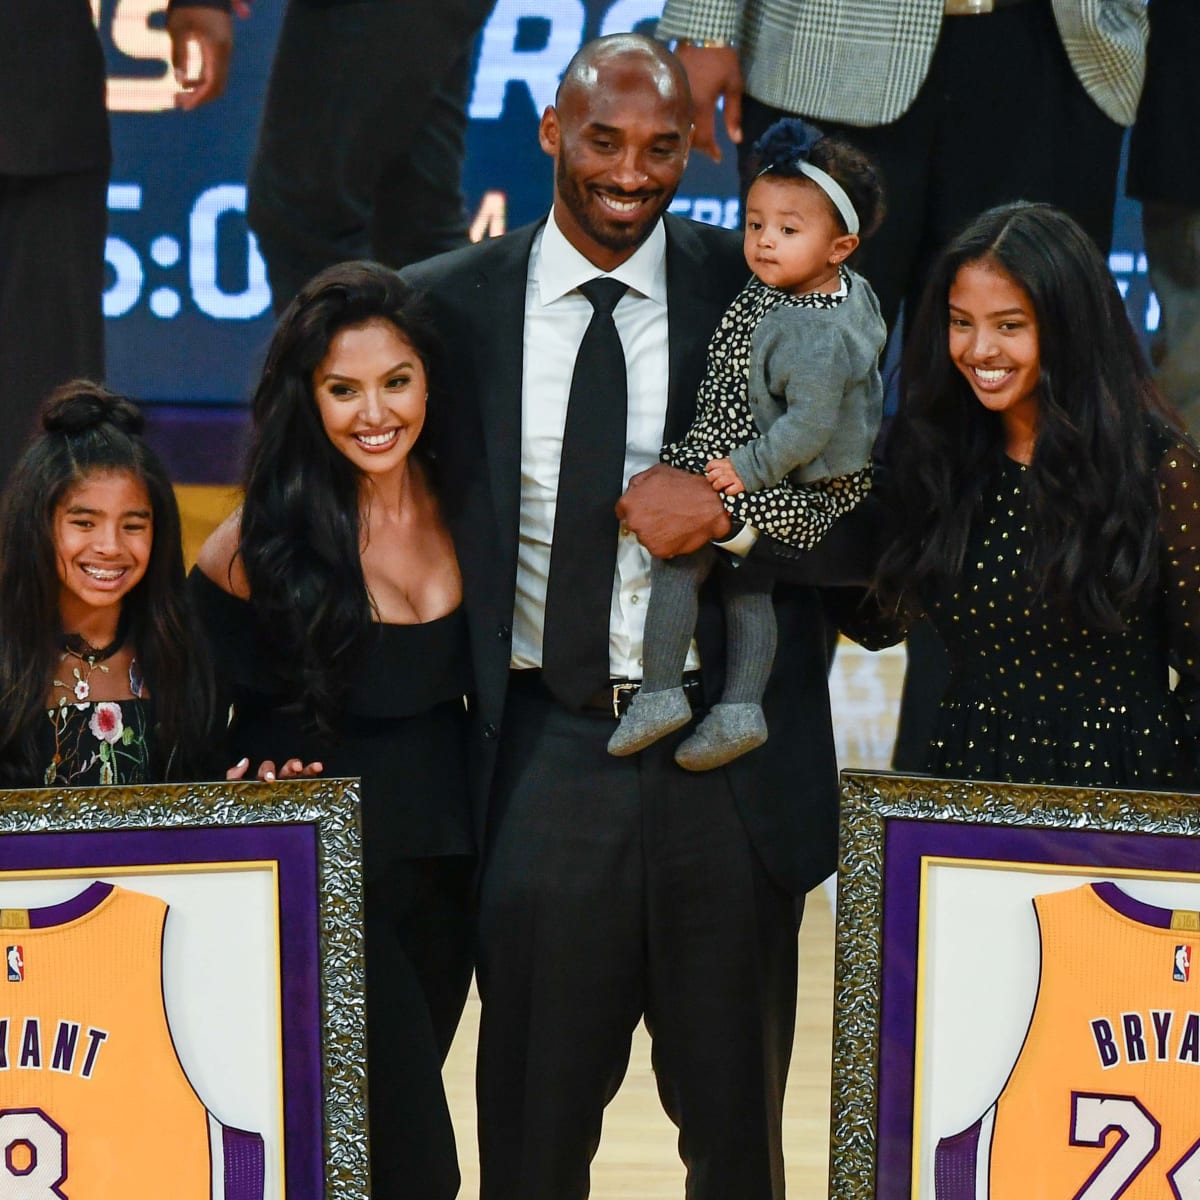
[740, 543]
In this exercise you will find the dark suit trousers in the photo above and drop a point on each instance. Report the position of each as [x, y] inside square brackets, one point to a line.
[363, 135]
[614, 888]
[52, 231]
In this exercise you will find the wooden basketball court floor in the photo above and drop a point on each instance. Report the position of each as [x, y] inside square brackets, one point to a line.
[637, 1157]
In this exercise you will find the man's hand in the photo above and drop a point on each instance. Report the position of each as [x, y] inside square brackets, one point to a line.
[211, 31]
[713, 72]
[723, 478]
[671, 511]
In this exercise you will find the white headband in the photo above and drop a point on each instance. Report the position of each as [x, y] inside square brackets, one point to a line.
[834, 190]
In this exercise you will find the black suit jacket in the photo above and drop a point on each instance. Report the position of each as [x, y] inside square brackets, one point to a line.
[52, 114]
[786, 791]
[1164, 156]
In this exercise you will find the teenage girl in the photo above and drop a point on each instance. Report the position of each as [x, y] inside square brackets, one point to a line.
[1045, 509]
[99, 665]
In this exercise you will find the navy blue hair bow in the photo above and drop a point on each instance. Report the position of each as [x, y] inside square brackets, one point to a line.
[785, 142]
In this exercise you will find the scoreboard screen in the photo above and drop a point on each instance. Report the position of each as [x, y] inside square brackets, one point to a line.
[188, 302]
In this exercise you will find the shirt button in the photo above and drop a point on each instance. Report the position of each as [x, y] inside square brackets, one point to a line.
[635, 599]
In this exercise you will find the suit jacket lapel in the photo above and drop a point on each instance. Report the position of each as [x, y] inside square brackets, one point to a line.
[692, 313]
[694, 305]
[502, 299]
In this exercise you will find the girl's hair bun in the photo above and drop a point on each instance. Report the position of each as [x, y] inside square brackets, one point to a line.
[785, 142]
[82, 406]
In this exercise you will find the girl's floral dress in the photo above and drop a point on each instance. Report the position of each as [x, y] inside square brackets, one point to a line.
[97, 741]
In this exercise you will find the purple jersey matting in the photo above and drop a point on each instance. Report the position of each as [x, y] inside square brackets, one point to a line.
[294, 848]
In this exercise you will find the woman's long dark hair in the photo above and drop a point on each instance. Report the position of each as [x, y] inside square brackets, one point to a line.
[88, 430]
[301, 518]
[1091, 484]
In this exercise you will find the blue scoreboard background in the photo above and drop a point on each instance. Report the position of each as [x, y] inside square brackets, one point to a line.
[188, 305]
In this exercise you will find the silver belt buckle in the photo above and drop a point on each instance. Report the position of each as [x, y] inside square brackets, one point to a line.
[968, 8]
[619, 690]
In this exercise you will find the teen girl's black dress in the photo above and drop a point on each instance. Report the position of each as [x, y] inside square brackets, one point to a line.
[1035, 698]
[403, 730]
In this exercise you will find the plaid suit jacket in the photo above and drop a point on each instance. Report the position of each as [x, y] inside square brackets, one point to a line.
[862, 62]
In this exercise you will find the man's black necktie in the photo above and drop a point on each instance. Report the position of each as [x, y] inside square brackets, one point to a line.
[583, 554]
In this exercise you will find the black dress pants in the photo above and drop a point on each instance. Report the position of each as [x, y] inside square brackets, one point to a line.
[363, 134]
[52, 231]
[612, 889]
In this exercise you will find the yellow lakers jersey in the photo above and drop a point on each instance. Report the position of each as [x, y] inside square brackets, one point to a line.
[94, 1104]
[1104, 1098]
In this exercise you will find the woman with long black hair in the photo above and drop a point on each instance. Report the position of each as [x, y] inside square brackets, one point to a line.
[332, 601]
[1046, 508]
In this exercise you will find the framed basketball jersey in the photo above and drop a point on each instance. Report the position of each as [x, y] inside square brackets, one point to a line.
[1104, 1097]
[93, 1098]
[181, 980]
[1017, 993]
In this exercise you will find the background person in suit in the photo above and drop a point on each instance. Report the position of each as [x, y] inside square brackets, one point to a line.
[363, 131]
[55, 157]
[54, 164]
[1164, 173]
[964, 104]
[615, 888]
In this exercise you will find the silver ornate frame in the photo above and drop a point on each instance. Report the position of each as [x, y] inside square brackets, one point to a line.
[870, 801]
[331, 808]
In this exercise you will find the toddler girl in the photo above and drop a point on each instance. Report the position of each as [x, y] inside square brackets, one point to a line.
[787, 412]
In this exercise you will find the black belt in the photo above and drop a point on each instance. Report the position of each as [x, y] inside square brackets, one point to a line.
[613, 700]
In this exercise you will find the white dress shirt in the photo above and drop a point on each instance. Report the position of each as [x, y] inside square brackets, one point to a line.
[556, 316]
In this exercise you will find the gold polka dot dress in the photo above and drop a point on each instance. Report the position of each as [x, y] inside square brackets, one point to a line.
[1034, 698]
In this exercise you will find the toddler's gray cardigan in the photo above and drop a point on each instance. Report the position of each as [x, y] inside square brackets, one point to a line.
[814, 391]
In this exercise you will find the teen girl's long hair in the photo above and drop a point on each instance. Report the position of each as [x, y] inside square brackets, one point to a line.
[88, 430]
[301, 530]
[1092, 484]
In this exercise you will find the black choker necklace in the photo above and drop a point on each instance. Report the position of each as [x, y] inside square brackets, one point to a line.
[80, 647]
